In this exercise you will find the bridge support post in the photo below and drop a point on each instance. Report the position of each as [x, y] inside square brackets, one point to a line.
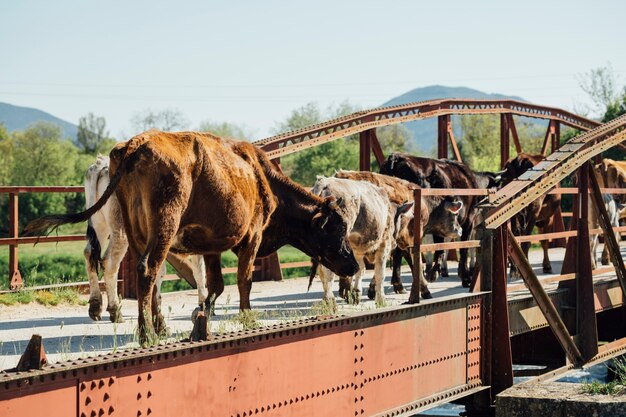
[504, 139]
[15, 278]
[586, 327]
[442, 136]
[365, 148]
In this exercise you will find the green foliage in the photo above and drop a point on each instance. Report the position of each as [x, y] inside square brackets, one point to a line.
[303, 167]
[596, 387]
[45, 297]
[226, 130]
[167, 120]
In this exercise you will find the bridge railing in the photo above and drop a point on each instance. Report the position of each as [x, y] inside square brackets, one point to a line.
[15, 279]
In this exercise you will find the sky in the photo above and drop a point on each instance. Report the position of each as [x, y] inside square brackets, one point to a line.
[253, 62]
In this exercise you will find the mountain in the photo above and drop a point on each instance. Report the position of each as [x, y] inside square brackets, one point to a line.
[425, 131]
[18, 118]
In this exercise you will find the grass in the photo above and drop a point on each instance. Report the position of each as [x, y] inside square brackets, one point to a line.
[617, 386]
[44, 297]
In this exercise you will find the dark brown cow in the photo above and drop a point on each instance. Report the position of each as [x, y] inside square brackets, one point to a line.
[438, 173]
[539, 213]
[195, 193]
[400, 192]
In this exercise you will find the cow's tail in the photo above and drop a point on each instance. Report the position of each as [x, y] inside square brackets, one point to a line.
[47, 224]
[314, 265]
[94, 256]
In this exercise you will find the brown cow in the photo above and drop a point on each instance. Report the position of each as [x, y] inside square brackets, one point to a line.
[195, 193]
[400, 192]
[539, 213]
[438, 173]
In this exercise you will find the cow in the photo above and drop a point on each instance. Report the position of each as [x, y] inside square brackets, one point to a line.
[196, 193]
[370, 192]
[108, 223]
[401, 191]
[612, 174]
[369, 217]
[539, 213]
[438, 173]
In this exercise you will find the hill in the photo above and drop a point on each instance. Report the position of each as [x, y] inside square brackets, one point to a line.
[425, 131]
[18, 118]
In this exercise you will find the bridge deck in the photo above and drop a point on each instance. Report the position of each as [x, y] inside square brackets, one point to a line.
[69, 333]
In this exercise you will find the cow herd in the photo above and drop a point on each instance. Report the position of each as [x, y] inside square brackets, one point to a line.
[170, 195]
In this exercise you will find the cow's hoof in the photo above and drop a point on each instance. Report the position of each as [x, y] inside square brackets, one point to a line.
[194, 315]
[399, 289]
[410, 301]
[95, 309]
[466, 283]
[605, 261]
[431, 276]
[115, 315]
[371, 293]
[427, 295]
[547, 269]
[444, 273]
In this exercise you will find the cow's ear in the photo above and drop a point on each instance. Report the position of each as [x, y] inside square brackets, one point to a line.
[454, 206]
[319, 220]
[527, 164]
[404, 208]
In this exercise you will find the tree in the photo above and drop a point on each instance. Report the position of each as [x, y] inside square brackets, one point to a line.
[303, 167]
[600, 84]
[225, 129]
[92, 137]
[42, 157]
[393, 138]
[167, 120]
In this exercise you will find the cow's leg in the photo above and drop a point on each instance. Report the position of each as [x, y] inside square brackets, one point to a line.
[547, 267]
[164, 228]
[97, 232]
[466, 278]
[345, 284]
[246, 254]
[157, 317]
[444, 261]
[357, 281]
[396, 272]
[431, 275]
[118, 244]
[198, 265]
[380, 262]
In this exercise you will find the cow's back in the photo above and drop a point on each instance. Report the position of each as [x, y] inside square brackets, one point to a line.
[366, 208]
[399, 190]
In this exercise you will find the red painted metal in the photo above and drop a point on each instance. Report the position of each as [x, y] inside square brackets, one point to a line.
[375, 363]
[365, 149]
[586, 326]
[504, 139]
[15, 278]
[376, 148]
[511, 123]
[442, 136]
[414, 296]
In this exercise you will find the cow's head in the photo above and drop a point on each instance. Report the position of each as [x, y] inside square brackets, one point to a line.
[443, 221]
[514, 168]
[330, 239]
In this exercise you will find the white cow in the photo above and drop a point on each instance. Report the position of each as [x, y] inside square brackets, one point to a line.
[369, 216]
[108, 223]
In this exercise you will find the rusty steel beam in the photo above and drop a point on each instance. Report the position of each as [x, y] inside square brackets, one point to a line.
[376, 148]
[518, 194]
[15, 278]
[518, 146]
[543, 301]
[504, 139]
[365, 149]
[586, 326]
[330, 366]
[315, 135]
[455, 148]
[442, 136]
[41, 189]
[414, 296]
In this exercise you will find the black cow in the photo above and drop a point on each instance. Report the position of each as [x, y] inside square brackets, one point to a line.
[438, 173]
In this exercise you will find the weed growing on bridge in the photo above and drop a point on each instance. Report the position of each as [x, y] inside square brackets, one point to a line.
[249, 319]
[617, 386]
[45, 297]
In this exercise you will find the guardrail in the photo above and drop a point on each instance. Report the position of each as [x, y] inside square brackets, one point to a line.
[16, 281]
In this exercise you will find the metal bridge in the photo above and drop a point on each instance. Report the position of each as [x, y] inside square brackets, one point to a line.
[393, 361]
